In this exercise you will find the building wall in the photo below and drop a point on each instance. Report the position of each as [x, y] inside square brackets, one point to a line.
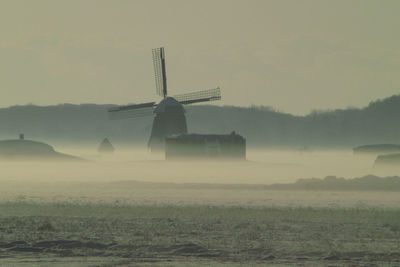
[211, 148]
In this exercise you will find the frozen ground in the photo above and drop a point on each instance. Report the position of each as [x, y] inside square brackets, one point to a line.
[122, 211]
[148, 235]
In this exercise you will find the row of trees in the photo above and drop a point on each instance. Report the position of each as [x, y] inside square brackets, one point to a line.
[262, 126]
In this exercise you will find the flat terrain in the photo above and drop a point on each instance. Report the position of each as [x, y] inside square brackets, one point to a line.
[118, 212]
[127, 235]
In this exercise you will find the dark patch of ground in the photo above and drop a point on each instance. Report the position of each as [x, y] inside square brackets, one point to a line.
[173, 235]
[333, 183]
[365, 183]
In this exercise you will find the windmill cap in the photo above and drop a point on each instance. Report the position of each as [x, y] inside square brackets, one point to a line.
[167, 103]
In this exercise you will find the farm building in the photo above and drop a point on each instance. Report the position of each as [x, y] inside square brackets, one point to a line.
[377, 149]
[187, 146]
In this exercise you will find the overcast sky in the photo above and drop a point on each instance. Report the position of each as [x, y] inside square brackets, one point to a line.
[295, 56]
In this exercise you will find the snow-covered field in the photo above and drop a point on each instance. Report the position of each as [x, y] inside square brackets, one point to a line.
[131, 209]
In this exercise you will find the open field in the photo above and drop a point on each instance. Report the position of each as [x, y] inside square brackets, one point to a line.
[155, 235]
[122, 211]
[140, 193]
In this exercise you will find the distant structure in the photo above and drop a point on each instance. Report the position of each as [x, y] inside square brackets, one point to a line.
[377, 149]
[206, 146]
[169, 113]
[106, 147]
[21, 149]
[388, 160]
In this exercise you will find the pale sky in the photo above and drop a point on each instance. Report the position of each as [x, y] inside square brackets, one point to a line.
[295, 56]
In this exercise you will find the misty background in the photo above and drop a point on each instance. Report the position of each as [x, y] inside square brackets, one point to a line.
[294, 56]
[302, 81]
[263, 127]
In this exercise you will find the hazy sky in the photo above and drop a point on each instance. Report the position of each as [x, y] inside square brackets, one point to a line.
[295, 56]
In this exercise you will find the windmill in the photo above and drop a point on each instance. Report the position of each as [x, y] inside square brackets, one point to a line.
[169, 113]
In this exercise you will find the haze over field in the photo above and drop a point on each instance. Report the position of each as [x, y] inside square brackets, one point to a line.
[304, 82]
[134, 209]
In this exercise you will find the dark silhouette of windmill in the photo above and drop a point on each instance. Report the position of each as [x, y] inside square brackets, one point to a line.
[169, 113]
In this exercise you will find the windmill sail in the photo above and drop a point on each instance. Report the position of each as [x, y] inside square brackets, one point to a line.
[131, 111]
[199, 96]
[159, 71]
[169, 113]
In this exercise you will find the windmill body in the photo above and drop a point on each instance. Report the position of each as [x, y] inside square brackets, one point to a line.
[169, 113]
[169, 120]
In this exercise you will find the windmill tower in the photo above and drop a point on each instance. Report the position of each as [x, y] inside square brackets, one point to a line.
[169, 113]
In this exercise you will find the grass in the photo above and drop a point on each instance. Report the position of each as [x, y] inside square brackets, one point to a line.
[116, 209]
[257, 234]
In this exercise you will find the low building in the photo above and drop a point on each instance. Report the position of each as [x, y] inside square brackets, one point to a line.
[388, 159]
[189, 146]
[377, 149]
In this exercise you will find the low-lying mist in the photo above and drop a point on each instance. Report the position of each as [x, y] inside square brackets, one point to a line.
[137, 176]
[261, 167]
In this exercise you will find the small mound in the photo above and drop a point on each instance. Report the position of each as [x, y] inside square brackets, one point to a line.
[24, 147]
[28, 149]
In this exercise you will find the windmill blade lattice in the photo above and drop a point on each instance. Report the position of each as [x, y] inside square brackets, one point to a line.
[159, 71]
[131, 111]
[199, 96]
